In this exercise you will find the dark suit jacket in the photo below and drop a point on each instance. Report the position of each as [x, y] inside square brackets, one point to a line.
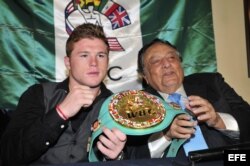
[213, 88]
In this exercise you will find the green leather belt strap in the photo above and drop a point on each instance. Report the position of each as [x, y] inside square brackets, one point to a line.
[113, 115]
[174, 147]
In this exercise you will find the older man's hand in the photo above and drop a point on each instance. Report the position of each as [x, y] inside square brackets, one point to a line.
[205, 112]
[181, 127]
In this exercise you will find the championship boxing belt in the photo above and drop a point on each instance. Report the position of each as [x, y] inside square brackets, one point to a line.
[135, 112]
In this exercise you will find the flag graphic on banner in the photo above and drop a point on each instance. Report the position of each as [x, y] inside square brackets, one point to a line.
[34, 33]
[116, 14]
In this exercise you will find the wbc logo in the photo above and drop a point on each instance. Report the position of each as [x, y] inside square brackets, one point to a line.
[95, 12]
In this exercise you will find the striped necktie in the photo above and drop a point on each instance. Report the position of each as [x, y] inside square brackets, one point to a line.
[197, 141]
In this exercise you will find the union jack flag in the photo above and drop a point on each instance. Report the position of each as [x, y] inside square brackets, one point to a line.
[119, 18]
[116, 14]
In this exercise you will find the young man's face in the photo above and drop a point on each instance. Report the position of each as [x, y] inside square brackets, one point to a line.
[162, 68]
[88, 62]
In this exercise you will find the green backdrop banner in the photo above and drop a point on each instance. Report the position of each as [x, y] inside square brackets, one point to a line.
[33, 35]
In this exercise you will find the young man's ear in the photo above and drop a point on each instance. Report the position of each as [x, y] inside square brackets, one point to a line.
[66, 62]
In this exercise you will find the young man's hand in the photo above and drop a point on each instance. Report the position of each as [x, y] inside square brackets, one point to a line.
[111, 143]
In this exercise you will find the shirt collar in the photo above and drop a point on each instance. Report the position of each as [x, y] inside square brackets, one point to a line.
[180, 90]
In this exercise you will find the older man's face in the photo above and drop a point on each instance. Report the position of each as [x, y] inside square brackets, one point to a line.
[162, 68]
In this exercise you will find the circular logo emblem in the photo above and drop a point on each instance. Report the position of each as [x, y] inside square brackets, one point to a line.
[136, 109]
